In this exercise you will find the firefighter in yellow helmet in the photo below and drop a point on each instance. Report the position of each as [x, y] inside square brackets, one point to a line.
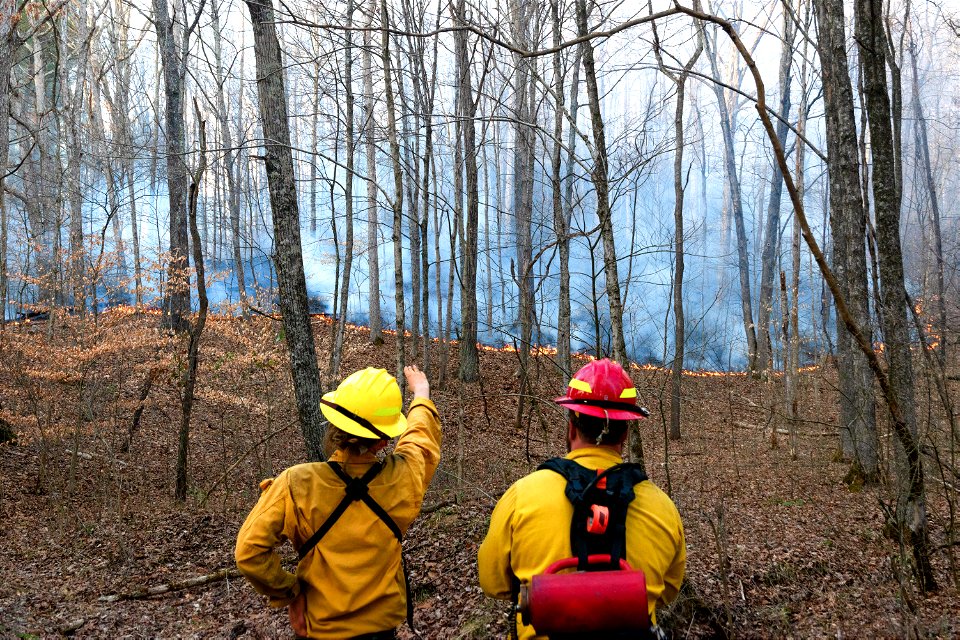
[346, 517]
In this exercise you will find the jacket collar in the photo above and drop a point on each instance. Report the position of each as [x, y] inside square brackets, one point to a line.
[345, 457]
[595, 456]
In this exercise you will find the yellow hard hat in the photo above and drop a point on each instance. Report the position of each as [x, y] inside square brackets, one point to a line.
[367, 404]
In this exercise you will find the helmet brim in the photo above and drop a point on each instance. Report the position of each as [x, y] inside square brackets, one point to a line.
[342, 422]
[573, 404]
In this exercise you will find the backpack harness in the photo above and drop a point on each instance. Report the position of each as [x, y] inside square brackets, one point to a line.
[357, 489]
[559, 605]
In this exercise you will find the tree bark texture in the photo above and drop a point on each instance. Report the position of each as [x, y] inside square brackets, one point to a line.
[291, 280]
[397, 204]
[469, 356]
[911, 505]
[858, 434]
[177, 301]
[373, 210]
[523, 167]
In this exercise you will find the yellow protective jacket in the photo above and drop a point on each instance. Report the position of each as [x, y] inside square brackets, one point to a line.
[530, 530]
[352, 580]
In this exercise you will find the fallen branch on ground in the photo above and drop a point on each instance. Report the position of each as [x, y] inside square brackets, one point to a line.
[437, 507]
[210, 578]
[90, 456]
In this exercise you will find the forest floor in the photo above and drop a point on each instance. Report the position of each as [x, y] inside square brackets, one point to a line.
[777, 547]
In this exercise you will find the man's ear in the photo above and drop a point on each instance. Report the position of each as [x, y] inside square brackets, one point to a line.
[571, 430]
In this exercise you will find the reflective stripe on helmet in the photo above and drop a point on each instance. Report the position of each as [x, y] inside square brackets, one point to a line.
[580, 385]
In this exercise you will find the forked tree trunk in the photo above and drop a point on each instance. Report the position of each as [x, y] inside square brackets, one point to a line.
[195, 330]
[771, 246]
[292, 284]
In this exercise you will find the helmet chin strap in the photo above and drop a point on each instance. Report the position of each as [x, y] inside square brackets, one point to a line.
[606, 427]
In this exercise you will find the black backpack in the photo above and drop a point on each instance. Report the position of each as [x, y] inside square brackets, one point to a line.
[600, 500]
[595, 495]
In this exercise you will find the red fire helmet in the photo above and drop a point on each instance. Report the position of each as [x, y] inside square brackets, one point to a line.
[603, 389]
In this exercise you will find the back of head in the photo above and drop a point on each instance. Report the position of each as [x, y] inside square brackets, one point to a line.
[602, 399]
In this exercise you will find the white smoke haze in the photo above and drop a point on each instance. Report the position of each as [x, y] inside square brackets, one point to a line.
[637, 104]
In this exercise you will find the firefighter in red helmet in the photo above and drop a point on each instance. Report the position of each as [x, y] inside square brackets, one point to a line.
[614, 514]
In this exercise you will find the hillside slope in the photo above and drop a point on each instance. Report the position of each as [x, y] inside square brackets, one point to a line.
[777, 547]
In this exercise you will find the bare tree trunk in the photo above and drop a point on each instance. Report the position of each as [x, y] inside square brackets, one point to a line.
[106, 153]
[771, 246]
[523, 163]
[121, 124]
[858, 435]
[679, 326]
[568, 190]
[428, 167]
[314, 120]
[599, 177]
[292, 283]
[373, 210]
[74, 190]
[230, 164]
[397, 204]
[911, 502]
[9, 43]
[172, 57]
[195, 331]
[561, 214]
[736, 204]
[337, 352]
[792, 365]
[469, 356]
[923, 151]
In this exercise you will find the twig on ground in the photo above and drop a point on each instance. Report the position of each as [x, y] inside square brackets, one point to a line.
[210, 578]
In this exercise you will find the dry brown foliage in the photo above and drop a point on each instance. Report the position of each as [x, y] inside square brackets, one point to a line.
[777, 547]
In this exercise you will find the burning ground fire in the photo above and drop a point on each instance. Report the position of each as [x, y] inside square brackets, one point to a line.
[124, 310]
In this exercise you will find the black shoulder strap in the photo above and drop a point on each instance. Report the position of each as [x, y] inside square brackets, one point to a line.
[358, 489]
[583, 492]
